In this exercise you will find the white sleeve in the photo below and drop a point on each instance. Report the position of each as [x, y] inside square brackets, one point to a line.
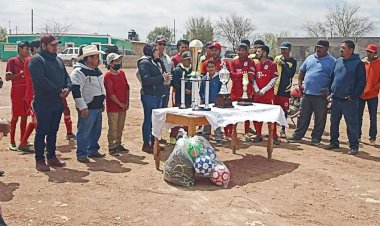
[78, 80]
[255, 87]
[269, 85]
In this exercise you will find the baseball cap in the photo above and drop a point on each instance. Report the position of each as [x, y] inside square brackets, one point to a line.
[160, 38]
[186, 55]
[23, 44]
[371, 48]
[323, 43]
[285, 45]
[112, 56]
[49, 39]
[216, 45]
[207, 45]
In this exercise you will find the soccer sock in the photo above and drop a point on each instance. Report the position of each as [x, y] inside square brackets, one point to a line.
[258, 127]
[68, 123]
[28, 131]
[23, 126]
[246, 127]
[13, 129]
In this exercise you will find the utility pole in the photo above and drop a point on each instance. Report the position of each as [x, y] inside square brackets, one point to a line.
[174, 31]
[32, 21]
[9, 25]
[16, 30]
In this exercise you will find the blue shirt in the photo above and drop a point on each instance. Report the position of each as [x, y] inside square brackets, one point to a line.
[215, 86]
[317, 72]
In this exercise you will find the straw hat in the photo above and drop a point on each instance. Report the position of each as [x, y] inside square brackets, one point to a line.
[90, 50]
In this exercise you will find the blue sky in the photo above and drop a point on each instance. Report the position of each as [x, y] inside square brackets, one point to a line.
[117, 17]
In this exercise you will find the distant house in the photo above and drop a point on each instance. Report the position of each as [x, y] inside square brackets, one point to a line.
[9, 48]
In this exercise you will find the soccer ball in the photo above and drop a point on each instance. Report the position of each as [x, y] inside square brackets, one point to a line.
[209, 151]
[203, 165]
[220, 175]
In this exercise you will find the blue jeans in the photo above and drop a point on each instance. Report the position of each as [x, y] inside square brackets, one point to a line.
[349, 109]
[149, 103]
[372, 109]
[48, 119]
[88, 133]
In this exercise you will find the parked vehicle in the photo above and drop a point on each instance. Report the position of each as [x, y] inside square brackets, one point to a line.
[69, 55]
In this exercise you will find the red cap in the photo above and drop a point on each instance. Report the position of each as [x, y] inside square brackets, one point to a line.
[216, 45]
[49, 39]
[372, 48]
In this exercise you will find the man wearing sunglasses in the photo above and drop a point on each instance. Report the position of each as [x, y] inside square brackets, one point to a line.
[161, 45]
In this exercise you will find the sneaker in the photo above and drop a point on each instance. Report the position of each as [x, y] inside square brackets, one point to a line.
[1, 173]
[121, 148]
[113, 152]
[372, 142]
[282, 134]
[55, 161]
[218, 142]
[13, 147]
[315, 143]
[276, 141]
[257, 139]
[332, 146]
[353, 151]
[25, 149]
[252, 130]
[173, 140]
[247, 137]
[29, 144]
[97, 155]
[83, 159]
[147, 148]
[293, 139]
[41, 166]
[163, 141]
[71, 136]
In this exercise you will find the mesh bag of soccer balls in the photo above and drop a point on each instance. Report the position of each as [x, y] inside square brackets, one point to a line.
[195, 155]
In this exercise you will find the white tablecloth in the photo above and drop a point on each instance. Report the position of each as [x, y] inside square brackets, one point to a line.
[220, 117]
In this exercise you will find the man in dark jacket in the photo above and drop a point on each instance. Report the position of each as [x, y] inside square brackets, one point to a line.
[51, 83]
[348, 82]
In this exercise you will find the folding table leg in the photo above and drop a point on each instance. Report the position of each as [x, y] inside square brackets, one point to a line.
[234, 139]
[270, 139]
[156, 152]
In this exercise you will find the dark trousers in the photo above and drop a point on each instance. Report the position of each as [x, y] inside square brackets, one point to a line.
[372, 109]
[149, 103]
[349, 109]
[165, 98]
[48, 118]
[312, 104]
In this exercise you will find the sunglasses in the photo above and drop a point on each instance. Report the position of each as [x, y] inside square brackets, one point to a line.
[162, 44]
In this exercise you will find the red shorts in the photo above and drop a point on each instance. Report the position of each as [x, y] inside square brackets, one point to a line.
[19, 107]
[282, 101]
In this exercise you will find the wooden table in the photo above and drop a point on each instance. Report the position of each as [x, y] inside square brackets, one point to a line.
[193, 121]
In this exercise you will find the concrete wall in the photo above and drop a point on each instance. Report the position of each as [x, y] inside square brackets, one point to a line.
[130, 61]
[137, 47]
[303, 47]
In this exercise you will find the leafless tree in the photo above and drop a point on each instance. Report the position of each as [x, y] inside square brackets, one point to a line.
[343, 21]
[199, 28]
[234, 28]
[56, 27]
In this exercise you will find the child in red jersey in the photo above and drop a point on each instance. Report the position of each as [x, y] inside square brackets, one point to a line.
[266, 76]
[15, 73]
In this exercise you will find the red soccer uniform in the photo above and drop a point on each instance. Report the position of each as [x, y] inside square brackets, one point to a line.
[176, 60]
[29, 90]
[217, 61]
[116, 85]
[265, 72]
[238, 67]
[14, 66]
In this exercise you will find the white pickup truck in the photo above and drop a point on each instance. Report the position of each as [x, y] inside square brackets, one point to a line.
[69, 55]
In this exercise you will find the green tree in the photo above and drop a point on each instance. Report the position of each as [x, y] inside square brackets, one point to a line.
[164, 30]
[3, 33]
[199, 28]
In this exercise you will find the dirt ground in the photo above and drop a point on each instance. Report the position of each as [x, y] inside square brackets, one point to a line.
[301, 185]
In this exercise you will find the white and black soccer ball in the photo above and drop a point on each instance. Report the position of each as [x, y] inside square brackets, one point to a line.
[209, 151]
[203, 165]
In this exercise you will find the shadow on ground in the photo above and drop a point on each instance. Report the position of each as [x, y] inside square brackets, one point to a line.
[64, 175]
[6, 191]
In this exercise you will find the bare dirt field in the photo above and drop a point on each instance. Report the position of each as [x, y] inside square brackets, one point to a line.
[301, 185]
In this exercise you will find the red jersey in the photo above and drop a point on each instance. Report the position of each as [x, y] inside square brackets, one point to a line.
[14, 66]
[217, 61]
[116, 85]
[176, 60]
[237, 68]
[29, 90]
[265, 72]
